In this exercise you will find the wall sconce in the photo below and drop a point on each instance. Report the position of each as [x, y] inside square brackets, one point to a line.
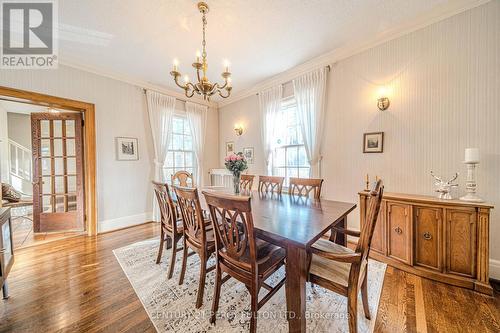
[383, 101]
[238, 129]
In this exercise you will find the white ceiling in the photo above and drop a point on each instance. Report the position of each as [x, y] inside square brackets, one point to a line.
[261, 38]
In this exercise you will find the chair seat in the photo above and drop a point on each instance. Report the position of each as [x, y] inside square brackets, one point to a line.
[334, 271]
[268, 256]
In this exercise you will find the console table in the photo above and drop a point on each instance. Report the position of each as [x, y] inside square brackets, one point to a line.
[443, 240]
[6, 249]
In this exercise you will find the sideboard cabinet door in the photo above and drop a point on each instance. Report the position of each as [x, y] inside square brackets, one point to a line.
[399, 232]
[427, 237]
[378, 238]
[461, 241]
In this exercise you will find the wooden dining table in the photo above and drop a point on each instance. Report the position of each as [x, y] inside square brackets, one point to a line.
[293, 223]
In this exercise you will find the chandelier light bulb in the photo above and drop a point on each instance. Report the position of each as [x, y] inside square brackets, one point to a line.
[226, 65]
[198, 55]
[176, 64]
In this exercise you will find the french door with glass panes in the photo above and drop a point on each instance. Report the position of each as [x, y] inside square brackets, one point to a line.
[57, 172]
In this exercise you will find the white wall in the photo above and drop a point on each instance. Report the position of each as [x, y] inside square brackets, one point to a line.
[124, 192]
[446, 97]
[20, 128]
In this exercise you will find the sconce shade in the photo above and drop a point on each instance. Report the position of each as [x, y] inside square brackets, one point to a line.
[383, 103]
[238, 129]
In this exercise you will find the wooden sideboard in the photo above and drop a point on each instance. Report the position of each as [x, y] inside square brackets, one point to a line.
[443, 240]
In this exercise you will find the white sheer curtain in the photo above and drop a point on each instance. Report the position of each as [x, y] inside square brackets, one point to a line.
[161, 111]
[197, 117]
[270, 105]
[310, 95]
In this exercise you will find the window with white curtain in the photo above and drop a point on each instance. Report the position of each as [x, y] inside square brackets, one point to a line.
[180, 154]
[289, 155]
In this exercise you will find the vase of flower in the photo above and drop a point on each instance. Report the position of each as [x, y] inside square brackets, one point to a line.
[236, 163]
[236, 182]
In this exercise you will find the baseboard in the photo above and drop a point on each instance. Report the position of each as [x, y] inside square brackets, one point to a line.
[495, 269]
[123, 222]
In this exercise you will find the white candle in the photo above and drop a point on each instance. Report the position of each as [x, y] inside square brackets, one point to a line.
[471, 155]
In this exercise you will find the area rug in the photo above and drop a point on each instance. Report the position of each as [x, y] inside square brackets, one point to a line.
[171, 307]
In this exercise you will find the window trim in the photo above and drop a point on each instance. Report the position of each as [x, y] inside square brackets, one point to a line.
[286, 103]
[194, 166]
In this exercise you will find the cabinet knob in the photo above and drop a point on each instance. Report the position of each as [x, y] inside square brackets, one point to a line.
[427, 235]
[398, 230]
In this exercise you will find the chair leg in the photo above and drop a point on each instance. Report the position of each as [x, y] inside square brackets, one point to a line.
[201, 284]
[172, 258]
[254, 293]
[215, 301]
[364, 295]
[352, 309]
[160, 250]
[184, 260]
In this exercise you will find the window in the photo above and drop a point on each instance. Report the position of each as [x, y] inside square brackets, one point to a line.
[289, 156]
[180, 154]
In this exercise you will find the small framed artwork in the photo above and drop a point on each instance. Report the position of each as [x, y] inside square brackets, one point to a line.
[248, 153]
[126, 149]
[229, 147]
[373, 142]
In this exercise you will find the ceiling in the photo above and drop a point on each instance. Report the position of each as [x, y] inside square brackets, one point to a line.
[261, 38]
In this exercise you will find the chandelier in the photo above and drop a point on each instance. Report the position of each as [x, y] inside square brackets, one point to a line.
[203, 87]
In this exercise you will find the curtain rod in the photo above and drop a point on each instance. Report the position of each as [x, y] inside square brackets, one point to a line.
[144, 90]
[327, 66]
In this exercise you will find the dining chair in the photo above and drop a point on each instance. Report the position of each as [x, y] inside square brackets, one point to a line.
[343, 270]
[246, 182]
[198, 235]
[271, 184]
[240, 254]
[183, 178]
[171, 224]
[304, 187]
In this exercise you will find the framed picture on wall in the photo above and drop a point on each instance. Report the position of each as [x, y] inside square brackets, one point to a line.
[126, 149]
[229, 147]
[373, 142]
[248, 152]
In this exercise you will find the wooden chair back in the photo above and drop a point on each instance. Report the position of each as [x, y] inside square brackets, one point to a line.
[183, 179]
[246, 182]
[233, 225]
[271, 184]
[373, 209]
[168, 212]
[192, 215]
[304, 187]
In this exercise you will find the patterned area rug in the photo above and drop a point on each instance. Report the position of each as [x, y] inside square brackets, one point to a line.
[172, 307]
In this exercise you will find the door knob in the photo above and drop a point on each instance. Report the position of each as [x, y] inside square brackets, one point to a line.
[427, 235]
[398, 230]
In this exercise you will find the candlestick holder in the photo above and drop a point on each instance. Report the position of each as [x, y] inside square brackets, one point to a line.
[470, 184]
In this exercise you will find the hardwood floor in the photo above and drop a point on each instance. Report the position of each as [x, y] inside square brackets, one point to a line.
[23, 235]
[76, 284]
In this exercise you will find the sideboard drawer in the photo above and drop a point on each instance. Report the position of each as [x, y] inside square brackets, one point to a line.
[399, 232]
[427, 236]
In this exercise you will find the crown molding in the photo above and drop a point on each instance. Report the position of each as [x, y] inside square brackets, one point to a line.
[438, 14]
[136, 82]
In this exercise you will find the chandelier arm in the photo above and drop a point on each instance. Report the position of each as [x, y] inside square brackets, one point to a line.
[176, 80]
[224, 96]
[198, 74]
[187, 94]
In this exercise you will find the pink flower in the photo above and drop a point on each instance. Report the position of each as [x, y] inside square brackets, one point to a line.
[233, 157]
[226, 158]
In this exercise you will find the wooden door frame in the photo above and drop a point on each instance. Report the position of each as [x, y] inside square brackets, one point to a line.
[89, 143]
